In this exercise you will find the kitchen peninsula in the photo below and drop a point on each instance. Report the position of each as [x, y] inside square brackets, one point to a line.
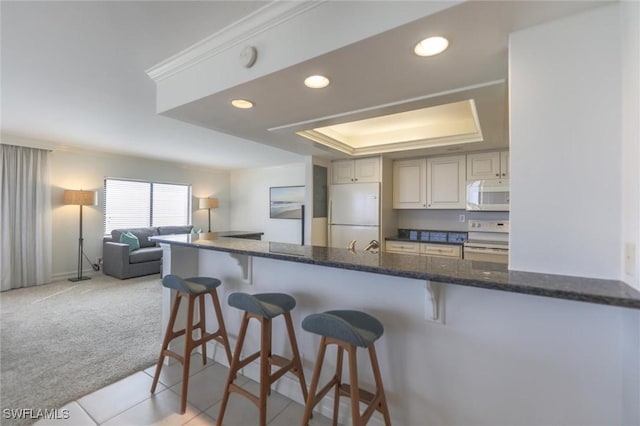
[451, 351]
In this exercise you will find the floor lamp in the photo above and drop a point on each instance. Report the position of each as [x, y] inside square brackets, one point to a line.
[79, 198]
[208, 203]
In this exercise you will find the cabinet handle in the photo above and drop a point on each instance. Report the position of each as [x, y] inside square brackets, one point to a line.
[498, 174]
[504, 174]
[356, 179]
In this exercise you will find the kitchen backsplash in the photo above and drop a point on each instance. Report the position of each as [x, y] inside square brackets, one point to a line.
[443, 219]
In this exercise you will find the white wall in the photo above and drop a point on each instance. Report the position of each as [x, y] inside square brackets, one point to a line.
[448, 220]
[566, 150]
[249, 197]
[87, 170]
[630, 23]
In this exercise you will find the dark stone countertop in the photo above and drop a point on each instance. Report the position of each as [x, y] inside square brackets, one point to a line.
[469, 273]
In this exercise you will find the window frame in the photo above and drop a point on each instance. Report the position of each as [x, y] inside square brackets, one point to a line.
[189, 207]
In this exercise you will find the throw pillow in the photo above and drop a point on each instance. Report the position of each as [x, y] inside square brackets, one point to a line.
[132, 240]
[196, 231]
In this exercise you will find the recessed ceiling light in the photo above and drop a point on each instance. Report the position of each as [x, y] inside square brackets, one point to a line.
[242, 103]
[316, 81]
[431, 46]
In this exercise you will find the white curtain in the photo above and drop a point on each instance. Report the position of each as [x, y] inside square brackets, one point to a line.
[25, 217]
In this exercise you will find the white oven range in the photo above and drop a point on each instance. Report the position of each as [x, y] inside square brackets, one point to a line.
[488, 241]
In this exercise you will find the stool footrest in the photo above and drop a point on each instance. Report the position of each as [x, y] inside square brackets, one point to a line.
[206, 337]
[251, 397]
[173, 355]
[365, 396]
[372, 400]
[281, 372]
[279, 361]
[247, 360]
[325, 390]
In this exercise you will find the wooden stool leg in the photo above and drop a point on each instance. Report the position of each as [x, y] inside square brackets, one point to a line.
[221, 327]
[167, 339]
[202, 325]
[188, 347]
[336, 399]
[355, 391]
[297, 369]
[311, 399]
[265, 370]
[233, 369]
[378, 379]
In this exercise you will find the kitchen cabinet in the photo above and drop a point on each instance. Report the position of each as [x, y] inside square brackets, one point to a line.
[441, 250]
[410, 184]
[356, 171]
[402, 247]
[446, 186]
[424, 249]
[488, 165]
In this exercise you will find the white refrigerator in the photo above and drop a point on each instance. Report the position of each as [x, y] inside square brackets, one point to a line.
[354, 214]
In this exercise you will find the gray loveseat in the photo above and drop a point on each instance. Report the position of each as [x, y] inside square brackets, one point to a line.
[118, 262]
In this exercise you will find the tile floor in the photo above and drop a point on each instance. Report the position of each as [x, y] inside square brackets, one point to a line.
[129, 401]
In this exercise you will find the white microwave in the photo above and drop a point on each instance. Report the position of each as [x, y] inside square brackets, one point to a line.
[488, 195]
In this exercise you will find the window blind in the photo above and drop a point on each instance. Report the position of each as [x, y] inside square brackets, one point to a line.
[137, 204]
[170, 204]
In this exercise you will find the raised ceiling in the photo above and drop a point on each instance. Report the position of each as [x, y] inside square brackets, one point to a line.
[73, 73]
[380, 75]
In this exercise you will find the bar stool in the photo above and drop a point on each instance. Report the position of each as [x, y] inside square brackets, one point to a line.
[263, 307]
[348, 330]
[193, 289]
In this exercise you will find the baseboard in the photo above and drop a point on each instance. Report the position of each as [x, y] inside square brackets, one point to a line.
[290, 387]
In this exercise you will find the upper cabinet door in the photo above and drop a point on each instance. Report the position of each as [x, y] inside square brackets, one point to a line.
[504, 164]
[410, 184]
[485, 165]
[362, 170]
[488, 165]
[367, 169]
[342, 171]
[446, 187]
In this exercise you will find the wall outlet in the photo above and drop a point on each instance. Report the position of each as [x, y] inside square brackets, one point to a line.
[630, 259]
[461, 218]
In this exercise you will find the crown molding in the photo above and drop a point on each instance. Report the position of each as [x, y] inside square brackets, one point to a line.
[271, 15]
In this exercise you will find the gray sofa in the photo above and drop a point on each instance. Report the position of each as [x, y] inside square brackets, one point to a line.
[118, 262]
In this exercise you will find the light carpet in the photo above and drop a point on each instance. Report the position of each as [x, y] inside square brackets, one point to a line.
[63, 340]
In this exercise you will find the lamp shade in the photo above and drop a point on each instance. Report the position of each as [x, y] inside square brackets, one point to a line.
[208, 203]
[79, 197]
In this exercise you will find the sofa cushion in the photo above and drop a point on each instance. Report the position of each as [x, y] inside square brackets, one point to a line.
[170, 230]
[147, 254]
[143, 235]
[131, 240]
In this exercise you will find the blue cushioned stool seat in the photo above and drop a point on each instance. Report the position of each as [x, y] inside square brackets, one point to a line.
[354, 327]
[268, 305]
[263, 307]
[193, 285]
[192, 289]
[348, 330]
